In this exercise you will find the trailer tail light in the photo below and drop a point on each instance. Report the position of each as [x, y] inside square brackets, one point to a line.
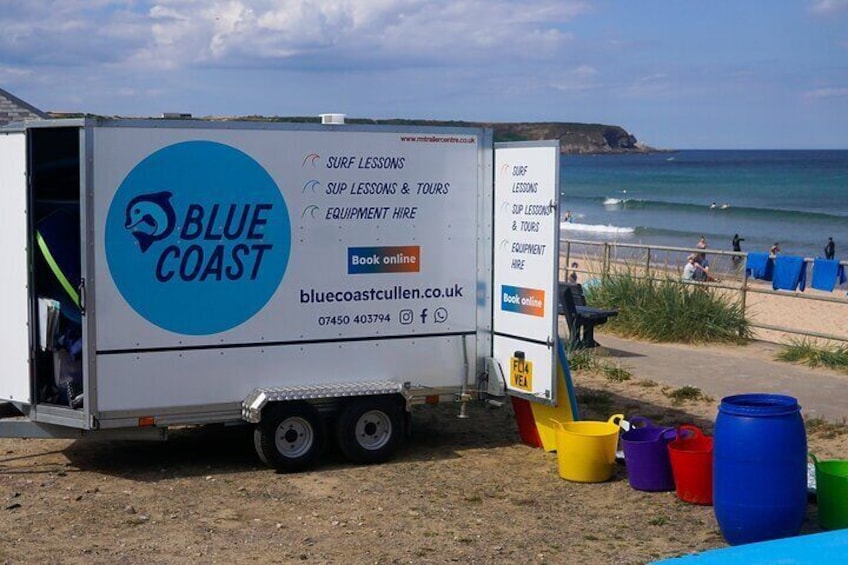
[145, 421]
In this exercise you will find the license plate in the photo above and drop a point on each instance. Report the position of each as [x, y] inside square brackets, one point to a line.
[521, 374]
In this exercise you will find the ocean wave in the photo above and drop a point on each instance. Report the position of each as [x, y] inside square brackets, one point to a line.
[617, 201]
[596, 228]
[720, 208]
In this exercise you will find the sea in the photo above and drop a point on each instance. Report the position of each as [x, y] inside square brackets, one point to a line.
[794, 198]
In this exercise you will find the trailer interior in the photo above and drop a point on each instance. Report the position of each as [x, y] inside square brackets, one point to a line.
[56, 266]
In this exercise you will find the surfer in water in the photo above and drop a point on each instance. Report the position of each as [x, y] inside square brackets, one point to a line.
[830, 249]
[568, 215]
[737, 243]
[737, 247]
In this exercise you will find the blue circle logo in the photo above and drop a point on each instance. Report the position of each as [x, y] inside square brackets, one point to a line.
[198, 237]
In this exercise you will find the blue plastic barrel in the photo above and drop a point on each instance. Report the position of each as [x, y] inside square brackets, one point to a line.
[759, 467]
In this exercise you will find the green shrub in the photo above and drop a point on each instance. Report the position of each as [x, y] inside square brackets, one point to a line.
[668, 310]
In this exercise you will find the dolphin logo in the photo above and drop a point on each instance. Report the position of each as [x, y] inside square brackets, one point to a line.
[150, 218]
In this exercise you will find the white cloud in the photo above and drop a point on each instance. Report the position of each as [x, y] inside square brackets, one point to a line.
[8, 74]
[290, 33]
[649, 86]
[582, 78]
[821, 93]
[69, 32]
[829, 6]
[585, 71]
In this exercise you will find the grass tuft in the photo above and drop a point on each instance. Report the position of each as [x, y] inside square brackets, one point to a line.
[821, 427]
[581, 360]
[685, 393]
[806, 352]
[647, 383]
[585, 360]
[616, 373]
[659, 521]
[668, 310]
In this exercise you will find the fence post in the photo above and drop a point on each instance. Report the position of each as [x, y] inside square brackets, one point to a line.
[744, 289]
[648, 264]
[606, 262]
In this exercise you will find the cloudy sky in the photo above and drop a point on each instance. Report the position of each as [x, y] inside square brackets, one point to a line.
[677, 74]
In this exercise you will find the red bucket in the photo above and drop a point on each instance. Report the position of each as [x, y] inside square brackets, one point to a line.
[691, 455]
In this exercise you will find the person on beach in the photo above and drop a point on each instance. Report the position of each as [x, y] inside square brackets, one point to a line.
[568, 215]
[702, 243]
[693, 270]
[830, 249]
[774, 249]
[703, 273]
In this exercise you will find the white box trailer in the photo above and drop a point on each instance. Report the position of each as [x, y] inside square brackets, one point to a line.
[315, 281]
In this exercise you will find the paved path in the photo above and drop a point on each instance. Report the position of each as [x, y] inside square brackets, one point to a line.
[720, 370]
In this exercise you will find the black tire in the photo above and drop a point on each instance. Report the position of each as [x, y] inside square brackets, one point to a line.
[370, 429]
[290, 437]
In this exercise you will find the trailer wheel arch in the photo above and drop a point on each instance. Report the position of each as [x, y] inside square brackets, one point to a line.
[369, 429]
[290, 437]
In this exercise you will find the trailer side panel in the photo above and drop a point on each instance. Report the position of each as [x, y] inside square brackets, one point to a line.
[229, 259]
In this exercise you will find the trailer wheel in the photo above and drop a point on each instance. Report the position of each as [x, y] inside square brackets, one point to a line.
[369, 430]
[290, 436]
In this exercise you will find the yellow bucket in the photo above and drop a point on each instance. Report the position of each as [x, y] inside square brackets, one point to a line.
[586, 449]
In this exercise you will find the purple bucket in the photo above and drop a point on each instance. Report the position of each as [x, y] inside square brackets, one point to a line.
[646, 455]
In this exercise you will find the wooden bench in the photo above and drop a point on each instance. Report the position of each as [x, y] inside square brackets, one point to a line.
[581, 318]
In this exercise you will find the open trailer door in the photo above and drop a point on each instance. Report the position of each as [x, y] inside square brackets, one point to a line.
[14, 345]
[526, 344]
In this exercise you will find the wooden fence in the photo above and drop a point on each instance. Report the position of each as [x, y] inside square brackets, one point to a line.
[774, 315]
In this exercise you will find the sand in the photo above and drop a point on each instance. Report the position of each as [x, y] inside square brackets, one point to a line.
[458, 491]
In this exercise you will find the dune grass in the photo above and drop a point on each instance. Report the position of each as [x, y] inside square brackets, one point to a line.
[808, 353]
[667, 310]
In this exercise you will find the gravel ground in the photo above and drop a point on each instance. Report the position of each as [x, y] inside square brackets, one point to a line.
[459, 490]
